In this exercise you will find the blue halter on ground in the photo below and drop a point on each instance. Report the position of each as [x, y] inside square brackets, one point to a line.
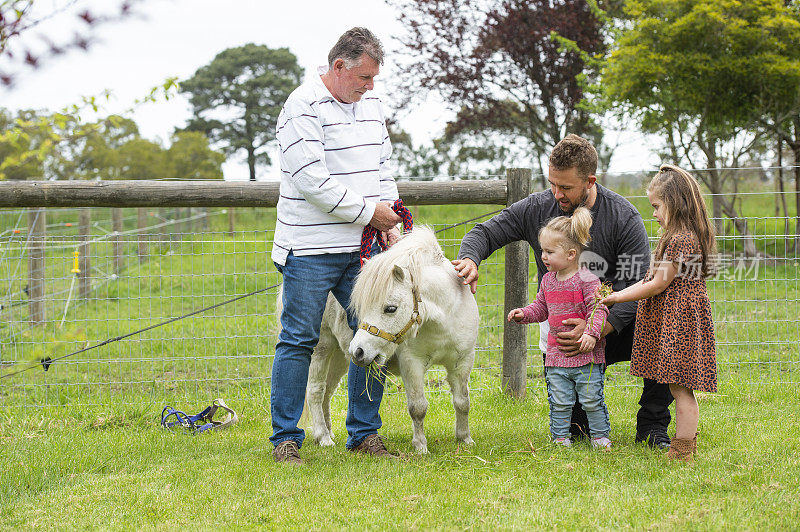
[191, 424]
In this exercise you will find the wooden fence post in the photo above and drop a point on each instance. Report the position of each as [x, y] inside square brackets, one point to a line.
[36, 264]
[515, 337]
[205, 222]
[116, 241]
[141, 223]
[163, 231]
[188, 226]
[171, 229]
[231, 220]
[85, 263]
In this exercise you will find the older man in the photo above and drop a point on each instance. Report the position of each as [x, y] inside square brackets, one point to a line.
[334, 149]
[618, 253]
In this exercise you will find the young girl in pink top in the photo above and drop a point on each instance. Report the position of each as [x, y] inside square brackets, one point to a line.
[569, 291]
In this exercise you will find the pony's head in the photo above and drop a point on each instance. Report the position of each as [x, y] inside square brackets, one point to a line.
[387, 299]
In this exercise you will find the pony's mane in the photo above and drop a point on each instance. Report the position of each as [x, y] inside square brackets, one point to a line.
[414, 251]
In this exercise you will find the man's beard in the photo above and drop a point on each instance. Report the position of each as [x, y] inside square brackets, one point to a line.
[572, 206]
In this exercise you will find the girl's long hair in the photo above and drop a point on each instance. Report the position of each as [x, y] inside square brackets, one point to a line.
[686, 211]
[573, 230]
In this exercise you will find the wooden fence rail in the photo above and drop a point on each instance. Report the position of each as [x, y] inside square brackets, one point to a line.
[218, 193]
[125, 194]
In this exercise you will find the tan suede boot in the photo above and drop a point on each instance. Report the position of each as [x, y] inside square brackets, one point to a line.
[682, 449]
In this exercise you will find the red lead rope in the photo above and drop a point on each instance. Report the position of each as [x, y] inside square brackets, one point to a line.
[370, 233]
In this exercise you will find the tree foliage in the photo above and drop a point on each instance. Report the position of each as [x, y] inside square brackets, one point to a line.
[496, 64]
[58, 146]
[463, 153]
[189, 157]
[91, 150]
[237, 97]
[139, 158]
[28, 141]
[703, 75]
[722, 61]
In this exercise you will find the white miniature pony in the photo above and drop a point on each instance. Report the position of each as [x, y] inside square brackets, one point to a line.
[415, 311]
[413, 307]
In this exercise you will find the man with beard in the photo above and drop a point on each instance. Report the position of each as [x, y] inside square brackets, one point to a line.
[618, 254]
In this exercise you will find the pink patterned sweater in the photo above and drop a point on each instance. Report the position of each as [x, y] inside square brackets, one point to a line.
[572, 298]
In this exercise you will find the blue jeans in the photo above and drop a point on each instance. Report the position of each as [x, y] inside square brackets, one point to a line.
[306, 283]
[563, 384]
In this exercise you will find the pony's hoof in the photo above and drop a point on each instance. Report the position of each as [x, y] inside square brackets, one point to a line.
[324, 438]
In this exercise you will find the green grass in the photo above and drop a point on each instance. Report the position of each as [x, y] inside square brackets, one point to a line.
[115, 468]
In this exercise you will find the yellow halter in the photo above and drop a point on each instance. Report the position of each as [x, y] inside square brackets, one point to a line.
[397, 338]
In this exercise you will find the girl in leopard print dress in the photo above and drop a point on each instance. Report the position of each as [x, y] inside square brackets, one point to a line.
[674, 336]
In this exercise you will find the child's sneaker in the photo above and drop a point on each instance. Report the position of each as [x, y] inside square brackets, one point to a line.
[601, 443]
[566, 442]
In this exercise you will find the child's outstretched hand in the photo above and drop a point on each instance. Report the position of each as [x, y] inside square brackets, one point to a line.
[516, 315]
[587, 343]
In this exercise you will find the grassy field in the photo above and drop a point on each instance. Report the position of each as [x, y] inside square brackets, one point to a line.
[116, 469]
[91, 453]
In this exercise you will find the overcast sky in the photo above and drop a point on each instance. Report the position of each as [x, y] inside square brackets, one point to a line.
[179, 36]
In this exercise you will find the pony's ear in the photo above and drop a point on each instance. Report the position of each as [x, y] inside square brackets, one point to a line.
[398, 273]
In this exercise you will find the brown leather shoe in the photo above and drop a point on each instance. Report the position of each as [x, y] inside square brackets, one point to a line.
[288, 452]
[373, 444]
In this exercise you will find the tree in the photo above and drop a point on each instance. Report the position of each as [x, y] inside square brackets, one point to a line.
[190, 157]
[28, 141]
[91, 150]
[237, 97]
[698, 73]
[34, 145]
[782, 117]
[58, 146]
[464, 153]
[498, 67]
[417, 163]
[787, 128]
[141, 159]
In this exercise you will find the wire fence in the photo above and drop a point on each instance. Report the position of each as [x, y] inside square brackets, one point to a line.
[140, 274]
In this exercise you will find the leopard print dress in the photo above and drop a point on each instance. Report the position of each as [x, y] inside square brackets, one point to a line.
[674, 336]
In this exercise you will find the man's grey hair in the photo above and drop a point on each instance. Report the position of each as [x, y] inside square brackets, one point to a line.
[353, 44]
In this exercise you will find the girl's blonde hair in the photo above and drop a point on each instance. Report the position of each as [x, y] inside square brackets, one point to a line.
[573, 231]
[686, 211]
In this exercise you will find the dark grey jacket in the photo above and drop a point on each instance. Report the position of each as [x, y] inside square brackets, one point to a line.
[618, 253]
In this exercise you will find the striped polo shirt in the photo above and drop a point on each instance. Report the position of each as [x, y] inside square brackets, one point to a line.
[334, 169]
